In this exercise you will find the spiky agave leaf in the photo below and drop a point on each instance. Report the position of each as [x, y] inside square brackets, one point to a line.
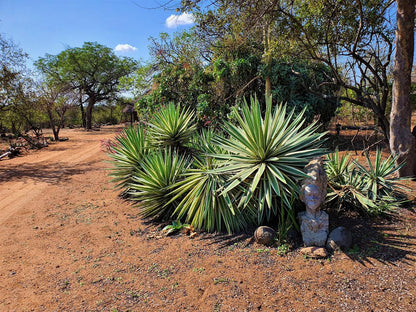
[130, 148]
[152, 186]
[172, 127]
[369, 189]
[379, 179]
[338, 167]
[202, 203]
[267, 155]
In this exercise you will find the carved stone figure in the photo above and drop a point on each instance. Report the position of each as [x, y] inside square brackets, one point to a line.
[314, 222]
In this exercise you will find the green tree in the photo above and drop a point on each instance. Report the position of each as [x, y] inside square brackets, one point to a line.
[94, 70]
[12, 72]
[354, 39]
[55, 100]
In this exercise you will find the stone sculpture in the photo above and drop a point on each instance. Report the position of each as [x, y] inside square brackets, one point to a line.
[314, 222]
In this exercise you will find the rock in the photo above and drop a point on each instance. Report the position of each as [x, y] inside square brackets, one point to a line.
[339, 238]
[292, 237]
[314, 252]
[264, 235]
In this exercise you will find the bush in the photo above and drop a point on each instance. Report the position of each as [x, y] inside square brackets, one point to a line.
[203, 204]
[152, 186]
[172, 127]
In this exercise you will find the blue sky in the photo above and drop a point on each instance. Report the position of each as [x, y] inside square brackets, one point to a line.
[50, 26]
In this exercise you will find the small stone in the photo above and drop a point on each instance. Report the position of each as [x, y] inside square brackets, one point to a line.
[265, 235]
[339, 238]
[314, 252]
[292, 237]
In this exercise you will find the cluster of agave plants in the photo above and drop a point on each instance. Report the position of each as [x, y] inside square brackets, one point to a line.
[245, 174]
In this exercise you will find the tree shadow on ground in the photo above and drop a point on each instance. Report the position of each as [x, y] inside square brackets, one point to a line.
[386, 240]
[48, 173]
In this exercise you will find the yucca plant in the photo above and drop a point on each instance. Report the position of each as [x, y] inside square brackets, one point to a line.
[202, 205]
[266, 155]
[345, 183]
[152, 185]
[127, 153]
[370, 189]
[172, 127]
[380, 179]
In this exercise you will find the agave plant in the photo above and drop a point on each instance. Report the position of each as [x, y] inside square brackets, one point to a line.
[172, 127]
[370, 189]
[127, 153]
[266, 155]
[379, 179]
[152, 185]
[345, 182]
[201, 203]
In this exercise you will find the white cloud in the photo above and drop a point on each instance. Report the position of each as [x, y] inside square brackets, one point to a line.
[124, 48]
[174, 21]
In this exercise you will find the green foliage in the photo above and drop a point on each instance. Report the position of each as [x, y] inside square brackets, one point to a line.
[370, 189]
[266, 156]
[127, 152]
[151, 186]
[12, 73]
[172, 127]
[379, 178]
[174, 227]
[93, 69]
[203, 204]
[301, 85]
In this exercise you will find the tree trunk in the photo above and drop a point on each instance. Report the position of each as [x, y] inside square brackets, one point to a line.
[88, 114]
[81, 106]
[268, 87]
[402, 142]
[52, 125]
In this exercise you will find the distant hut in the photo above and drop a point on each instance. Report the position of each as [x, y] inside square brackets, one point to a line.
[129, 110]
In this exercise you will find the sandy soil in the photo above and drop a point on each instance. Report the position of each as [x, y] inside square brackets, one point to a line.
[69, 243]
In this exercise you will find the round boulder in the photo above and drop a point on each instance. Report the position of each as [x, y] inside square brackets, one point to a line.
[264, 235]
[339, 238]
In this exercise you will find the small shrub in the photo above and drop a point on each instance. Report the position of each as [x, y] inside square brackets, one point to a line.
[370, 189]
[266, 156]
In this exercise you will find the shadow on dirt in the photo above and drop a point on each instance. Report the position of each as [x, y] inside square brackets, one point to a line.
[386, 240]
[50, 173]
